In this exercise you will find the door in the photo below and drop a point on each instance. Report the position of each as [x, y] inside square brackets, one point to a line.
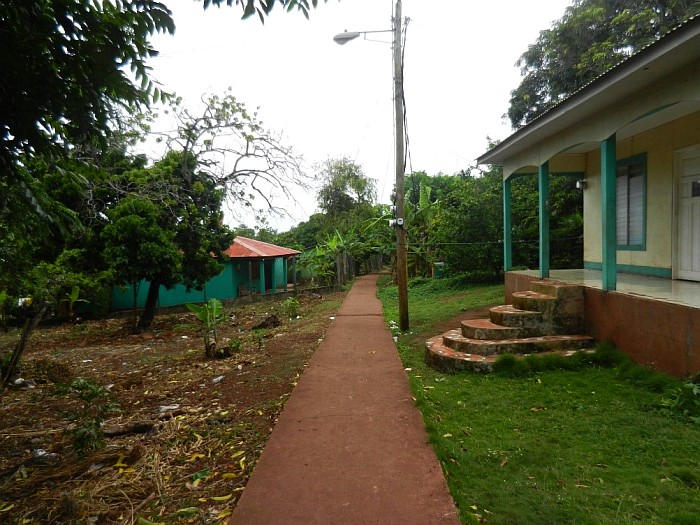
[688, 246]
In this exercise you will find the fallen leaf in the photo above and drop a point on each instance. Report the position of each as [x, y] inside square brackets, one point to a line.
[119, 462]
[4, 507]
[503, 462]
[143, 521]
[187, 511]
[222, 498]
[224, 513]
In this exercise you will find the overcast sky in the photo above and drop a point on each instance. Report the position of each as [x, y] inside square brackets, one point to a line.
[332, 101]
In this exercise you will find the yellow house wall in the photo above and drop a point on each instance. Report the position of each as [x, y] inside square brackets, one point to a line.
[659, 145]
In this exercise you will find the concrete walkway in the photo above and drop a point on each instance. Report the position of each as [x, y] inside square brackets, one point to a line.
[350, 447]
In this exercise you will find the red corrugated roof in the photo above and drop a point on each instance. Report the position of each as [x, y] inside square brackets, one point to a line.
[244, 248]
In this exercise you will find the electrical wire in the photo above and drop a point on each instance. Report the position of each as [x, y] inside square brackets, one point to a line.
[407, 144]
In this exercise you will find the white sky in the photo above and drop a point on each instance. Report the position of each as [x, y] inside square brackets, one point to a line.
[331, 101]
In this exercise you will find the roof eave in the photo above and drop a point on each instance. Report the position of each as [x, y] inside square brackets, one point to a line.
[665, 54]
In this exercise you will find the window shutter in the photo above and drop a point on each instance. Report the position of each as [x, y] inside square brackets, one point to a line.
[630, 204]
[622, 216]
[636, 210]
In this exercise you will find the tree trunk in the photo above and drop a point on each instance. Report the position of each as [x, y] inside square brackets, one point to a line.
[149, 309]
[29, 327]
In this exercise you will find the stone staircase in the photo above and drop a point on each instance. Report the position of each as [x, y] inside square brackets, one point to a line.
[546, 319]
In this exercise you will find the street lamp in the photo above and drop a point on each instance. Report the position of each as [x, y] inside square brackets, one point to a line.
[400, 224]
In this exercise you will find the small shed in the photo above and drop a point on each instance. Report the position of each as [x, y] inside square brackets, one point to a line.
[253, 268]
[260, 267]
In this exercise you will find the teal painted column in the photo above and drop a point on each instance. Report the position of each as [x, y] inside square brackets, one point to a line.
[294, 273]
[507, 226]
[273, 277]
[543, 182]
[608, 200]
[261, 284]
[285, 272]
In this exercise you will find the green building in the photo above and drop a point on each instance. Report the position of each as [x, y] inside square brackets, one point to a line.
[253, 268]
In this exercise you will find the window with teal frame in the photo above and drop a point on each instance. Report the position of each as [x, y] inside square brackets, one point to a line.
[631, 203]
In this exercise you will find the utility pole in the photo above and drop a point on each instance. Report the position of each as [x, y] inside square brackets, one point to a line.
[400, 225]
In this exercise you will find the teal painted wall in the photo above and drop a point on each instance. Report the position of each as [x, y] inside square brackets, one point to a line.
[280, 277]
[223, 286]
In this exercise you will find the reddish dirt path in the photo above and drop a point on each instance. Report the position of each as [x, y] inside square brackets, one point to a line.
[350, 445]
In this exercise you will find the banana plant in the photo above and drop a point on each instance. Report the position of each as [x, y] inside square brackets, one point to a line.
[71, 298]
[209, 316]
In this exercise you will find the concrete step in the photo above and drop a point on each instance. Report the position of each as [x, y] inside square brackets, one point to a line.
[561, 291]
[565, 315]
[535, 302]
[524, 345]
[448, 359]
[486, 329]
[512, 317]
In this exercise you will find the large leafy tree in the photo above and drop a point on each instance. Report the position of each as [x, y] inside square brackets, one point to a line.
[591, 37]
[65, 70]
[468, 224]
[68, 71]
[346, 194]
[66, 67]
[177, 239]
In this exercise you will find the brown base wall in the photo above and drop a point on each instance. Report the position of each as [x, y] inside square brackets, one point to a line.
[660, 335]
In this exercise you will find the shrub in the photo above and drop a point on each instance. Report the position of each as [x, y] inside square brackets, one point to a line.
[290, 307]
[90, 416]
[683, 403]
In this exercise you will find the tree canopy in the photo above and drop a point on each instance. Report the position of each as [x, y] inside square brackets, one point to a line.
[65, 70]
[345, 189]
[263, 7]
[591, 37]
[175, 240]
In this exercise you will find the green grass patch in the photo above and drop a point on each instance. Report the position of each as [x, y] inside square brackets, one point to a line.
[431, 300]
[589, 441]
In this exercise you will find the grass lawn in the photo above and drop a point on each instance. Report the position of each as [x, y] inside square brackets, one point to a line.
[591, 446]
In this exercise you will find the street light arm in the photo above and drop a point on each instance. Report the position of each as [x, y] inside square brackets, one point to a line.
[346, 36]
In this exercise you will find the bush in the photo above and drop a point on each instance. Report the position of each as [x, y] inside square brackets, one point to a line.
[90, 416]
[683, 403]
[290, 307]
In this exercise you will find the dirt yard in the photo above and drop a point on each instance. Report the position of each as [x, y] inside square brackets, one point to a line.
[189, 429]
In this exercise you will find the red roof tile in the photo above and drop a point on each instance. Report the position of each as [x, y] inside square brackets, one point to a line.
[244, 248]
